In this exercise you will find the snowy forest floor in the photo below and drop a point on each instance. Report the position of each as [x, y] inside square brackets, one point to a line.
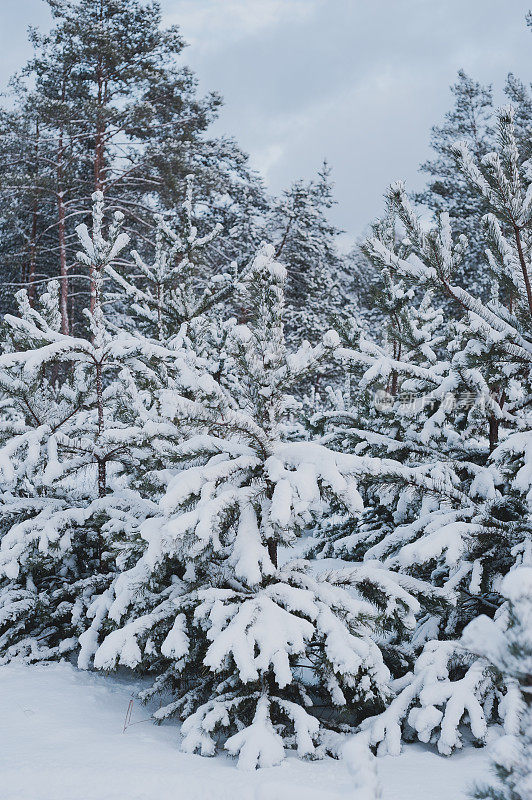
[61, 738]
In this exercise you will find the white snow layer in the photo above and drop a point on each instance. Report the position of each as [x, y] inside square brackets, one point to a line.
[61, 738]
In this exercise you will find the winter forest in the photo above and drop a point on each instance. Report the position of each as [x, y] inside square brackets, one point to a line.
[280, 492]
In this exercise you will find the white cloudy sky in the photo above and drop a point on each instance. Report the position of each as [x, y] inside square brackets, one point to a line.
[357, 81]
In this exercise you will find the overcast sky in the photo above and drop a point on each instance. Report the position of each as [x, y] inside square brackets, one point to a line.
[359, 82]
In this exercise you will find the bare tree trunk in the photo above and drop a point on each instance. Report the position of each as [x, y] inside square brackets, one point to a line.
[102, 477]
[98, 187]
[524, 269]
[63, 296]
[102, 467]
[33, 236]
[33, 254]
[493, 424]
[98, 159]
[99, 154]
[493, 433]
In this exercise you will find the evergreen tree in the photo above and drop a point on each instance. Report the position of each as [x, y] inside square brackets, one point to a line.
[306, 242]
[28, 247]
[506, 643]
[245, 641]
[67, 438]
[451, 504]
[175, 288]
[520, 97]
[483, 533]
[160, 458]
[392, 408]
[362, 285]
[112, 110]
[470, 120]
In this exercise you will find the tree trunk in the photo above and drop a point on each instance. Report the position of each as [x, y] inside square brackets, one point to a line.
[63, 297]
[98, 157]
[272, 551]
[102, 477]
[32, 253]
[102, 466]
[33, 236]
[493, 433]
[524, 269]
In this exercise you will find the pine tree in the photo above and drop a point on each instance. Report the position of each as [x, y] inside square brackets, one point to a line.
[306, 242]
[27, 246]
[362, 283]
[391, 407]
[506, 643]
[520, 97]
[448, 190]
[110, 108]
[175, 286]
[471, 520]
[471, 120]
[68, 438]
[245, 641]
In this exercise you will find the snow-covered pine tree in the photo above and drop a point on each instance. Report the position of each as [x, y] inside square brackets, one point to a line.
[104, 104]
[253, 647]
[386, 407]
[306, 242]
[471, 120]
[506, 643]
[405, 406]
[474, 520]
[520, 97]
[175, 286]
[68, 447]
[363, 282]
[27, 181]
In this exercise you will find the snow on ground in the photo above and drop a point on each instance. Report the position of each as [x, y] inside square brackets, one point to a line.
[61, 738]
